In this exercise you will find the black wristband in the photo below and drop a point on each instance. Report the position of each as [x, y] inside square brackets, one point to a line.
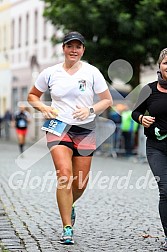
[141, 119]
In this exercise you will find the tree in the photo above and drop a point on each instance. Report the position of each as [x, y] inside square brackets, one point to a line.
[122, 29]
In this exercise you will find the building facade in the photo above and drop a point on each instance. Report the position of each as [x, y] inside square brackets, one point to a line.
[26, 49]
[5, 71]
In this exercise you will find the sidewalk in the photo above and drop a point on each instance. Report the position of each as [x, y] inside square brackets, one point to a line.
[119, 207]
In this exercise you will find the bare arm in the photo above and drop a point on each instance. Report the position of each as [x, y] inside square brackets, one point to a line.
[34, 99]
[105, 102]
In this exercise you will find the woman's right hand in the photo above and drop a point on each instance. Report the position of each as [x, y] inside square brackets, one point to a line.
[34, 99]
[147, 121]
[49, 112]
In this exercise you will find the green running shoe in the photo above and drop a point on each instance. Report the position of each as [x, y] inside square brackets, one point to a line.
[67, 236]
[73, 215]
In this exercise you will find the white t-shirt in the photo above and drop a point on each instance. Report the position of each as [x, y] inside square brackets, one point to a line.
[68, 91]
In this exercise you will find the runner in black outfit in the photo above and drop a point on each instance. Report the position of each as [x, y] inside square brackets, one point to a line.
[153, 99]
[21, 118]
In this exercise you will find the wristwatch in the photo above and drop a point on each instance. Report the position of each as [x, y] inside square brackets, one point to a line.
[91, 111]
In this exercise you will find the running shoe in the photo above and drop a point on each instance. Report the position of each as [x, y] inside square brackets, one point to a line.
[73, 215]
[67, 236]
[164, 245]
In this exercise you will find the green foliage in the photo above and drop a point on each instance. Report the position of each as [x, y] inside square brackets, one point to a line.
[122, 29]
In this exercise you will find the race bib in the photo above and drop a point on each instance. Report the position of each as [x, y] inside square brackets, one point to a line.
[22, 123]
[54, 126]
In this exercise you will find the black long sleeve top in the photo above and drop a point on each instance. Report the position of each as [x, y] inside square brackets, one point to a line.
[155, 103]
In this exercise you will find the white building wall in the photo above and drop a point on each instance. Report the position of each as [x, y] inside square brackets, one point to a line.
[21, 53]
[5, 73]
[43, 48]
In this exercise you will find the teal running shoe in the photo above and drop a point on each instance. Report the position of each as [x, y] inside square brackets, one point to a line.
[73, 215]
[67, 236]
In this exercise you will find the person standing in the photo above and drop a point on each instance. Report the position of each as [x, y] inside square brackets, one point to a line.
[153, 99]
[128, 128]
[72, 85]
[21, 121]
[7, 123]
[1, 125]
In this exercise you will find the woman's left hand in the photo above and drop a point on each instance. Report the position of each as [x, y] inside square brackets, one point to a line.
[81, 113]
[147, 121]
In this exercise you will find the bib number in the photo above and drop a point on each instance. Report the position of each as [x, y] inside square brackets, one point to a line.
[22, 123]
[54, 126]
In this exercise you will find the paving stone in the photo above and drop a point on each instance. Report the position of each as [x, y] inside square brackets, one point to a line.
[112, 215]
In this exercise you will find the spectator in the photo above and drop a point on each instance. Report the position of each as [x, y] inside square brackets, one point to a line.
[1, 122]
[7, 123]
[128, 127]
[116, 118]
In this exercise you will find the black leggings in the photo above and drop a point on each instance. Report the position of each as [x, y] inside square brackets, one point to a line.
[157, 159]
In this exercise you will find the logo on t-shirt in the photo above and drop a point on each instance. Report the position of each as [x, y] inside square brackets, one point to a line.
[82, 85]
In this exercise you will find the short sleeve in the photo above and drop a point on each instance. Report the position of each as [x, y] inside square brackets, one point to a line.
[99, 83]
[42, 83]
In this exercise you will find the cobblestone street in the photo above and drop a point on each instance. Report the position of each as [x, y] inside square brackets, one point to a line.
[118, 208]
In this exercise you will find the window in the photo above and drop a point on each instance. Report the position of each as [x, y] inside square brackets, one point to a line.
[4, 37]
[24, 93]
[15, 99]
[44, 30]
[13, 34]
[36, 27]
[20, 24]
[27, 29]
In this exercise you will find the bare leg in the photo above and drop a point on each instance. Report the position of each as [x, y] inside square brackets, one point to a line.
[62, 158]
[81, 169]
[21, 141]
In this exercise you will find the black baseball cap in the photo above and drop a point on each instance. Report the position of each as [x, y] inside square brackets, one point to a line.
[73, 36]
